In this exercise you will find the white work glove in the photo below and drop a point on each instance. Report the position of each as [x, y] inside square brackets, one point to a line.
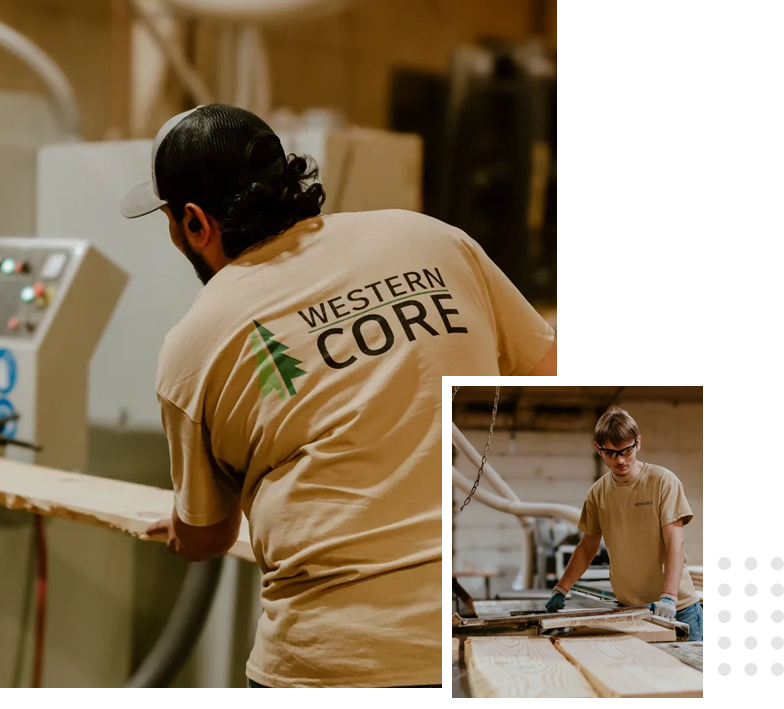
[665, 607]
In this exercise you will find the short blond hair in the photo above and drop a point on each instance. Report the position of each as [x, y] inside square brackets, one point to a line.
[616, 427]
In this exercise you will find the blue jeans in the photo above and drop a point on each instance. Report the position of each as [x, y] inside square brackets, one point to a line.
[693, 616]
[253, 685]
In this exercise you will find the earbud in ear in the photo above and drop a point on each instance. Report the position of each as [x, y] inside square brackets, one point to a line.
[194, 224]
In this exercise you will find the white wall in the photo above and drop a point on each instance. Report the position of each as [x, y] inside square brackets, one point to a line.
[560, 467]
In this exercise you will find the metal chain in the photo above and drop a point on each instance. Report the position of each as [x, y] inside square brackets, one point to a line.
[487, 450]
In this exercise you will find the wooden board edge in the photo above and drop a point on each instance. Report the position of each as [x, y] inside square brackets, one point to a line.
[557, 622]
[241, 550]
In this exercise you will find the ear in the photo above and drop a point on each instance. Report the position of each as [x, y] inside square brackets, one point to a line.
[197, 224]
[596, 445]
[639, 442]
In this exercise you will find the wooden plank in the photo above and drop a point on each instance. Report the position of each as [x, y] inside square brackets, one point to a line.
[515, 666]
[681, 629]
[559, 621]
[642, 629]
[475, 573]
[113, 504]
[629, 667]
[455, 649]
[690, 653]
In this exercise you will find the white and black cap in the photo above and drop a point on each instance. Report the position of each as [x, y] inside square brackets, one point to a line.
[205, 155]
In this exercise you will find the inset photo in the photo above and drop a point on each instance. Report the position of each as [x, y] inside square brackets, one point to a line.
[576, 541]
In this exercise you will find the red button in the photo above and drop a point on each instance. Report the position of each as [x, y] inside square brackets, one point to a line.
[13, 323]
[39, 289]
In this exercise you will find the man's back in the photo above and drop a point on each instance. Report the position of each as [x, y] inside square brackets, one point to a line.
[307, 377]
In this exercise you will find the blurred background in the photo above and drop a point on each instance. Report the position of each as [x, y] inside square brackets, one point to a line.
[474, 79]
[542, 447]
[441, 106]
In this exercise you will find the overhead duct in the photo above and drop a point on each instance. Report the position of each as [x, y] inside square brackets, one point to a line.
[283, 10]
[60, 91]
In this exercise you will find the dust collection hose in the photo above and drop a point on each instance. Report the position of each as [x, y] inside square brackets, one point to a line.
[182, 630]
[66, 108]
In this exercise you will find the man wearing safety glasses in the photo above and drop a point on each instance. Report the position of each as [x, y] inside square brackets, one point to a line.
[640, 509]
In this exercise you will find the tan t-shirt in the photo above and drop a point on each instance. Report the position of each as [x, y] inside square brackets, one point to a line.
[305, 383]
[630, 516]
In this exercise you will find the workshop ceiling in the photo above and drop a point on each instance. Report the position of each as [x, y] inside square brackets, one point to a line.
[580, 395]
[557, 408]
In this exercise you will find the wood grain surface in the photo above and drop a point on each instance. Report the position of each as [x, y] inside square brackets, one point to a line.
[690, 653]
[559, 621]
[629, 667]
[643, 629]
[514, 666]
[123, 506]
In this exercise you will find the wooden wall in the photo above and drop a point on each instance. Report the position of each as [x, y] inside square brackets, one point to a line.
[344, 61]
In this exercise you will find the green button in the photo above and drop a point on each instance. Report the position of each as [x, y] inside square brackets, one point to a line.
[8, 265]
[28, 294]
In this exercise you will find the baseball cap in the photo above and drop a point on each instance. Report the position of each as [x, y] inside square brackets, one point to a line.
[204, 155]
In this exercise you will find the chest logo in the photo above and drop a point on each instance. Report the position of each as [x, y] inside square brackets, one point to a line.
[640, 504]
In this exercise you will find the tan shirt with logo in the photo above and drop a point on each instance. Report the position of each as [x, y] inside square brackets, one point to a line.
[305, 384]
[630, 516]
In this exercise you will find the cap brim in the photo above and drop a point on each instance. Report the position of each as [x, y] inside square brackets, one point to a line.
[140, 200]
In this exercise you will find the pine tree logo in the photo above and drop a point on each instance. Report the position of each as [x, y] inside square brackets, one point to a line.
[276, 369]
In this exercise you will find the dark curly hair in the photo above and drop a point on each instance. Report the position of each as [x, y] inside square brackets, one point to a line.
[230, 163]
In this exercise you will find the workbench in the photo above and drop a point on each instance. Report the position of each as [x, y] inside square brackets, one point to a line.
[489, 613]
[476, 573]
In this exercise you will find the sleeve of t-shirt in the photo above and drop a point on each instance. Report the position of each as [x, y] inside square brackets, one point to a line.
[524, 337]
[589, 519]
[202, 494]
[673, 504]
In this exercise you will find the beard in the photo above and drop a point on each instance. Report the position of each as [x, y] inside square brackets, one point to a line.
[202, 268]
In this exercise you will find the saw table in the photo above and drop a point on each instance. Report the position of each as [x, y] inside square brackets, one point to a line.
[586, 617]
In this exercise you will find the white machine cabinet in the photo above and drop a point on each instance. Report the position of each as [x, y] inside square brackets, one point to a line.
[56, 297]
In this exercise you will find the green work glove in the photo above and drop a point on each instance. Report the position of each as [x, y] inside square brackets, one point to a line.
[665, 607]
[557, 600]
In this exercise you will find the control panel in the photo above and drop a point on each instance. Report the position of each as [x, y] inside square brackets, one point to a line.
[30, 280]
[56, 297]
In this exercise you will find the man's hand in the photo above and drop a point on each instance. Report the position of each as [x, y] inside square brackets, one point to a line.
[557, 600]
[665, 607]
[173, 543]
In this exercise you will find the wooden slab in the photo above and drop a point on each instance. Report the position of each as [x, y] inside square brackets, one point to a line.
[455, 649]
[556, 620]
[629, 667]
[690, 653]
[521, 667]
[476, 573]
[642, 629]
[114, 504]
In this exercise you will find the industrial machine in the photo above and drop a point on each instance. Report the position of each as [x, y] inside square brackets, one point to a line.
[489, 130]
[56, 296]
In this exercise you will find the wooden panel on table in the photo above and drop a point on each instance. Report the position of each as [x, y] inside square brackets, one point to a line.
[513, 666]
[558, 621]
[629, 667]
[690, 653]
[115, 504]
[642, 629]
